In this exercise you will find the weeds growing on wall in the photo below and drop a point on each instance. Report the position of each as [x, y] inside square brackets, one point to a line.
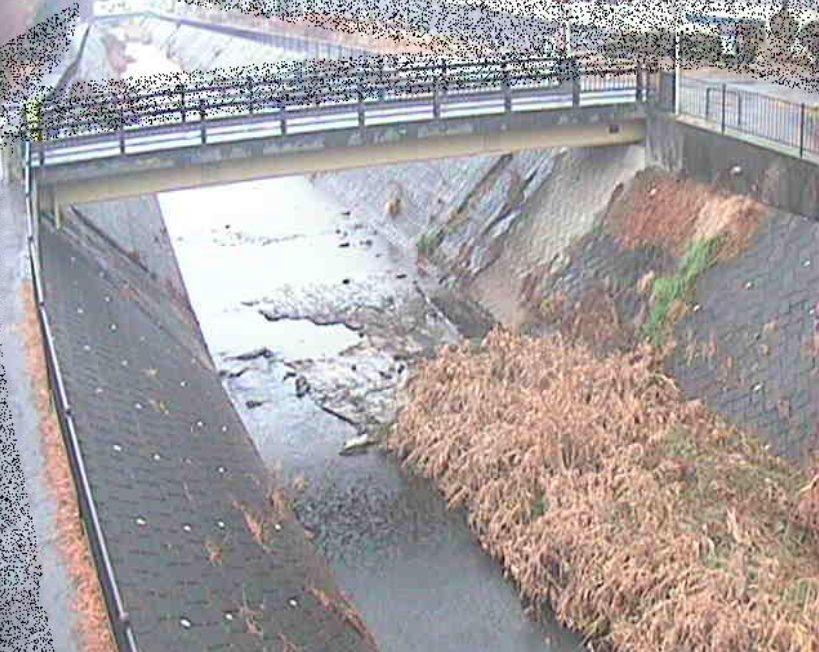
[670, 293]
[647, 522]
[430, 241]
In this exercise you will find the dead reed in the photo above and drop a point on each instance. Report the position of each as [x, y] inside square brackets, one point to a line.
[91, 616]
[647, 522]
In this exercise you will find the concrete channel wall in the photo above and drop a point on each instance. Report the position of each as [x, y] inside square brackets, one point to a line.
[195, 531]
[195, 545]
[777, 179]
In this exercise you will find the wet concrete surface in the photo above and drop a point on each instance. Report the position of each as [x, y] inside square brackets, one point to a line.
[316, 322]
[35, 591]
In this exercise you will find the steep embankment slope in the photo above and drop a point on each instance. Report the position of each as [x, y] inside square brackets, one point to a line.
[490, 224]
[178, 483]
[730, 282]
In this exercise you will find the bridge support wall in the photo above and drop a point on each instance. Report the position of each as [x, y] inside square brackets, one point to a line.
[774, 178]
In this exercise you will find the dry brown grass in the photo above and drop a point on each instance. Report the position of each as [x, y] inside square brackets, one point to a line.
[807, 511]
[258, 525]
[341, 606]
[658, 209]
[216, 552]
[646, 522]
[92, 618]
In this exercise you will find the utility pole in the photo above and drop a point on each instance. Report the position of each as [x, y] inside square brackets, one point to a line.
[677, 55]
[677, 71]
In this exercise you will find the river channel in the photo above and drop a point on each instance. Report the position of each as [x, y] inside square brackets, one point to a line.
[315, 322]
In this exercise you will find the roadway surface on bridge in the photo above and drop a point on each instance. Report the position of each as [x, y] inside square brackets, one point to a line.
[201, 558]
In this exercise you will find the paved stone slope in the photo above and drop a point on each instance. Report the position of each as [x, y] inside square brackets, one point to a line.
[760, 313]
[203, 558]
[749, 343]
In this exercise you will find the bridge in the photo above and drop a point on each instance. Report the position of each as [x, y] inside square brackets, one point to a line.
[341, 114]
[329, 116]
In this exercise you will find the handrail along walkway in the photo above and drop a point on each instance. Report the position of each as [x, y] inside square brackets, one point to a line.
[118, 616]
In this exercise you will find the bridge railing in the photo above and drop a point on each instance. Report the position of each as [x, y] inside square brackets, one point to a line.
[733, 110]
[317, 84]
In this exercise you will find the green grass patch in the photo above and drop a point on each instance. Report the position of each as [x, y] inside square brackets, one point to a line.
[680, 443]
[541, 506]
[669, 290]
[802, 592]
[430, 241]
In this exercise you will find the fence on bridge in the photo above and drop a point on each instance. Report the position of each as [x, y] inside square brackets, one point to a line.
[333, 85]
[735, 111]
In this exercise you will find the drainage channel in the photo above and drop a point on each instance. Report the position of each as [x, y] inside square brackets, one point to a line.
[315, 323]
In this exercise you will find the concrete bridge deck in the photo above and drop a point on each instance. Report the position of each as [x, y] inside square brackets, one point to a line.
[186, 163]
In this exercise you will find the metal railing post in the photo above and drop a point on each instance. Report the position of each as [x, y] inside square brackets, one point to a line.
[360, 110]
[639, 82]
[282, 119]
[182, 103]
[575, 86]
[708, 102]
[250, 94]
[507, 90]
[724, 95]
[802, 130]
[739, 108]
[27, 169]
[121, 130]
[202, 130]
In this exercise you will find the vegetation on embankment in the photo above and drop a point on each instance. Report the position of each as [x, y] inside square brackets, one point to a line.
[673, 294]
[646, 521]
[430, 241]
[86, 598]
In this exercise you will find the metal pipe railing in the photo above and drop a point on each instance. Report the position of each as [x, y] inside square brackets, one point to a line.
[760, 115]
[118, 616]
[307, 85]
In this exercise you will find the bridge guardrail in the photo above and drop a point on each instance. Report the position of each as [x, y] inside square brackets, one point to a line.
[734, 110]
[119, 107]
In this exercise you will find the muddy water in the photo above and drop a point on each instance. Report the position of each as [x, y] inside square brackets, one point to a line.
[291, 287]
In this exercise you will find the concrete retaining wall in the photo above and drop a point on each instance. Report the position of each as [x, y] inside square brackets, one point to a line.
[776, 179]
[502, 217]
[198, 49]
[135, 227]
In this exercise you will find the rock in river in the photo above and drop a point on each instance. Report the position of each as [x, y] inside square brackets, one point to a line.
[356, 444]
[302, 386]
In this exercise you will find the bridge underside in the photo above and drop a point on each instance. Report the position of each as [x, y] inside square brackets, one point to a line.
[223, 163]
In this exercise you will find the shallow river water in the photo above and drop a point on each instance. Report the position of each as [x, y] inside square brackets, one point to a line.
[279, 246]
[314, 322]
